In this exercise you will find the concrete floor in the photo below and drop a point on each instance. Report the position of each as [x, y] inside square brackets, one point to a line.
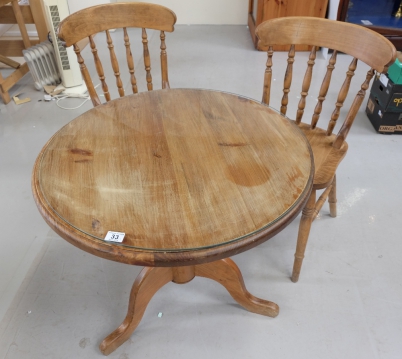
[59, 302]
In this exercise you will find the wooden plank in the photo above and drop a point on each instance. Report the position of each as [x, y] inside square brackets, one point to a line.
[7, 15]
[4, 95]
[13, 78]
[9, 62]
[38, 13]
[14, 47]
[21, 24]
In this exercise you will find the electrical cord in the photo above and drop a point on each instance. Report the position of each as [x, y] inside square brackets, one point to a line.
[62, 96]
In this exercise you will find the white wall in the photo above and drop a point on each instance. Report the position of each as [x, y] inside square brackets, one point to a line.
[217, 12]
[75, 5]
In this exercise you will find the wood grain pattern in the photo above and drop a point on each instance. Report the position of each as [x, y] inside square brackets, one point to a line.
[331, 34]
[190, 176]
[267, 10]
[89, 21]
[329, 149]
[99, 18]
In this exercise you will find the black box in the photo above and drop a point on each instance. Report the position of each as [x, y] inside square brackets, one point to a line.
[383, 122]
[388, 94]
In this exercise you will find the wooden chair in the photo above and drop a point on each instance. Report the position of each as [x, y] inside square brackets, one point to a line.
[329, 149]
[90, 21]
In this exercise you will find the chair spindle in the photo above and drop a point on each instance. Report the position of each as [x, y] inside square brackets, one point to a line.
[99, 68]
[306, 84]
[115, 64]
[288, 79]
[87, 78]
[164, 65]
[147, 60]
[350, 117]
[342, 95]
[130, 61]
[324, 89]
[266, 92]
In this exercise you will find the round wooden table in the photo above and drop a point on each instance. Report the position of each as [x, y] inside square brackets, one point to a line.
[191, 177]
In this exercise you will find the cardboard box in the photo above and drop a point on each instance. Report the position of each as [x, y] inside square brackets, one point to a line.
[388, 94]
[382, 121]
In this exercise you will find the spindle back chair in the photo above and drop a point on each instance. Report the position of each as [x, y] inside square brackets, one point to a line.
[329, 149]
[95, 19]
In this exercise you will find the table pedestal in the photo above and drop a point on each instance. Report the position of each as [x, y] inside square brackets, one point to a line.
[151, 279]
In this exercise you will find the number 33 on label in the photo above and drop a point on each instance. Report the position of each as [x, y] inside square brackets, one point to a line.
[114, 237]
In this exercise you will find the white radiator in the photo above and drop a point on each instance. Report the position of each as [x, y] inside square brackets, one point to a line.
[42, 64]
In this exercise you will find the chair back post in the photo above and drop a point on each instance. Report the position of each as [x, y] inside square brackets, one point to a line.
[350, 117]
[147, 59]
[288, 80]
[130, 61]
[99, 68]
[342, 96]
[323, 89]
[95, 19]
[306, 84]
[164, 66]
[266, 92]
[348, 38]
[87, 78]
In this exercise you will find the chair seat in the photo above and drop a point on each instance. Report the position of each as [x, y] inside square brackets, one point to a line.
[326, 157]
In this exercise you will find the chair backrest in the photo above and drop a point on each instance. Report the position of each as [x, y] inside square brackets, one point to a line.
[359, 42]
[90, 21]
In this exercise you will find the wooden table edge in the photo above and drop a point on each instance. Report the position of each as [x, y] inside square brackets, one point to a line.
[124, 254]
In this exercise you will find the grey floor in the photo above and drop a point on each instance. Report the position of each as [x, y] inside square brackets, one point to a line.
[59, 302]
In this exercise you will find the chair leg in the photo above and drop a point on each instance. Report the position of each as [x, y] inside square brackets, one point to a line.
[332, 198]
[304, 231]
[321, 202]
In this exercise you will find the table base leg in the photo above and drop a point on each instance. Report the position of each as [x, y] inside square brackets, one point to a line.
[148, 282]
[227, 273]
[151, 279]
